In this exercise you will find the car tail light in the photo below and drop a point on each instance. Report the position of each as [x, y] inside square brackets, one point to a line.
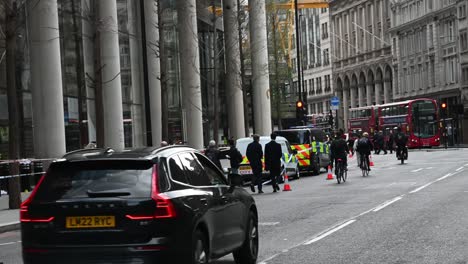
[164, 206]
[25, 217]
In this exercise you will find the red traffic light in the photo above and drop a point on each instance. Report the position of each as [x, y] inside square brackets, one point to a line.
[299, 104]
[444, 105]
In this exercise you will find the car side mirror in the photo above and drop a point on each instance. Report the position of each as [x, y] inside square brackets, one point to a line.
[235, 180]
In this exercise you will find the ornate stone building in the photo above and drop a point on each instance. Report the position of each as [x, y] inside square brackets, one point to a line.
[361, 48]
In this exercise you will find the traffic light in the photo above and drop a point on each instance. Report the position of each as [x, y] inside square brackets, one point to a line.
[443, 109]
[300, 111]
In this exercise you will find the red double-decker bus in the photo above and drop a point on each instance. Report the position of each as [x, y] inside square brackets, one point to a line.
[418, 118]
[363, 119]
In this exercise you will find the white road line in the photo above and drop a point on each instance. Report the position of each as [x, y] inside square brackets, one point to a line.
[387, 203]
[459, 169]
[10, 243]
[268, 224]
[444, 177]
[420, 188]
[430, 168]
[330, 232]
[466, 165]
[418, 170]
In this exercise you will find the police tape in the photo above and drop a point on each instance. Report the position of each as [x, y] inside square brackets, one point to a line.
[21, 175]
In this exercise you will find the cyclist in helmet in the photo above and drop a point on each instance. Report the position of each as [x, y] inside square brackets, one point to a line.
[365, 147]
[339, 150]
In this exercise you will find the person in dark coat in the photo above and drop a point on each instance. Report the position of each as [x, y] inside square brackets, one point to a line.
[255, 155]
[235, 157]
[273, 155]
[390, 142]
[213, 154]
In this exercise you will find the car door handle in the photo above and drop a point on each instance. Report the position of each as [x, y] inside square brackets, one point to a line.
[204, 201]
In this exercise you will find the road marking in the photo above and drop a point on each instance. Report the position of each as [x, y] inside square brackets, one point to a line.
[459, 169]
[387, 203]
[268, 259]
[418, 170]
[444, 177]
[268, 224]
[420, 188]
[430, 168]
[330, 232]
[10, 243]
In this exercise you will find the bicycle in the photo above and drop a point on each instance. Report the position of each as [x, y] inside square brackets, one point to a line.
[364, 164]
[341, 173]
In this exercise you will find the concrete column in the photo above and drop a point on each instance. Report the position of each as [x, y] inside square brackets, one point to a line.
[369, 93]
[260, 73]
[325, 105]
[387, 87]
[154, 70]
[378, 92]
[138, 130]
[234, 96]
[111, 81]
[46, 79]
[361, 94]
[353, 96]
[345, 109]
[316, 108]
[88, 59]
[190, 69]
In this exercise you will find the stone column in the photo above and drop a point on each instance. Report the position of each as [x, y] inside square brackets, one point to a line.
[345, 109]
[111, 81]
[46, 80]
[369, 93]
[134, 23]
[234, 96]
[378, 92]
[353, 96]
[387, 87]
[190, 69]
[154, 70]
[361, 94]
[260, 73]
[88, 63]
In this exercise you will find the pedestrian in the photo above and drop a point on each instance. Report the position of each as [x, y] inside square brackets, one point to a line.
[213, 154]
[235, 157]
[351, 139]
[358, 156]
[382, 143]
[390, 142]
[273, 155]
[255, 155]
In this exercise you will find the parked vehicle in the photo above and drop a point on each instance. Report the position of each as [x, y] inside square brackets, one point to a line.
[289, 160]
[151, 205]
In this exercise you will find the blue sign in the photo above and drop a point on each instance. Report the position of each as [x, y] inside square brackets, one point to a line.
[335, 101]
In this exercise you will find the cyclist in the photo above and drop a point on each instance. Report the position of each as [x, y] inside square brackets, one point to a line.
[339, 150]
[400, 140]
[364, 147]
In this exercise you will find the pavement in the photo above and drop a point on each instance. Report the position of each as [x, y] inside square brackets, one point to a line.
[9, 219]
[411, 213]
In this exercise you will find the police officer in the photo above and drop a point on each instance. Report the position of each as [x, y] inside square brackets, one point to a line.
[273, 155]
[255, 155]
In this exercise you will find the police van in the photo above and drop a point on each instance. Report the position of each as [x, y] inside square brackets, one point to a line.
[288, 161]
[312, 151]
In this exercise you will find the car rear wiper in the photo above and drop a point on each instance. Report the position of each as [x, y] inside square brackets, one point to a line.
[92, 194]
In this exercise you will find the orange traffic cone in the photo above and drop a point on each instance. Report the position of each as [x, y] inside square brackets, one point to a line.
[371, 162]
[287, 187]
[330, 174]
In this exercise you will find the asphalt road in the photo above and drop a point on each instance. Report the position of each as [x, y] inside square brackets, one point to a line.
[412, 213]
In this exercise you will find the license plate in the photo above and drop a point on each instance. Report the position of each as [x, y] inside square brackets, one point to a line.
[245, 170]
[90, 221]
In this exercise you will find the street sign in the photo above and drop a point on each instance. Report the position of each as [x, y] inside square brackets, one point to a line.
[335, 101]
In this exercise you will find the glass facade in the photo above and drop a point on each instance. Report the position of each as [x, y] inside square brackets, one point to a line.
[78, 26]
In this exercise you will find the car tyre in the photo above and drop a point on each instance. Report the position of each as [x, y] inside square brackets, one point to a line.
[199, 254]
[248, 252]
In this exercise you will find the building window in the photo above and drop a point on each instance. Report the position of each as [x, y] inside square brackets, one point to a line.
[324, 30]
[450, 31]
[464, 41]
[462, 11]
[465, 76]
[324, 10]
[326, 57]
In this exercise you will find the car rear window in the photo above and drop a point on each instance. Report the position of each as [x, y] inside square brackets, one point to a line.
[72, 180]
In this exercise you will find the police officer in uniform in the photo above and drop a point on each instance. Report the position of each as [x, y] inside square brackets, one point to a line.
[273, 155]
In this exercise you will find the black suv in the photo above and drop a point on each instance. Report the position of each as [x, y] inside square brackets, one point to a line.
[141, 206]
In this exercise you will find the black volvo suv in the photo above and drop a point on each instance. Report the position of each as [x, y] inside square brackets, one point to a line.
[166, 205]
